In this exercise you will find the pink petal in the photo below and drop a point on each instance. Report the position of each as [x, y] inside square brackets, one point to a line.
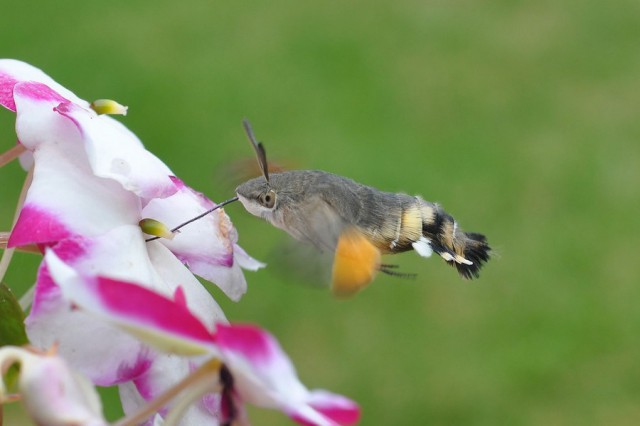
[13, 72]
[38, 92]
[36, 225]
[250, 342]
[6, 91]
[325, 408]
[338, 408]
[154, 318]
[122, 254]
[103, 352]
[98, 350]
[135, 304]
[263, 373]
[264, 376]
[174, 274]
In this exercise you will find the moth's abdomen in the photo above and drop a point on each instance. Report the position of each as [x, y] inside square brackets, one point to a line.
[392, 222]
[396, 223]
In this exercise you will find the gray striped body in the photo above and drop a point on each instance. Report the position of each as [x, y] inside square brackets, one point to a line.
[316, 206]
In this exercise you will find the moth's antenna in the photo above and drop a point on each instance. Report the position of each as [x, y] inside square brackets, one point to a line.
[200, 216]
[258, 147]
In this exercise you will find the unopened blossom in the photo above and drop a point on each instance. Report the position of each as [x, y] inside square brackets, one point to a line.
[262, 373]
[108, 106]
[52, 393]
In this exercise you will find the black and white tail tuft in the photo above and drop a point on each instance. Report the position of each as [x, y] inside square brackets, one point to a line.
[467, 251]
[477, 251]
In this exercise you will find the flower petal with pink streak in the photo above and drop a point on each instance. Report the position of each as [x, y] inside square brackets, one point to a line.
[122, 254]
[338, 408]
[218, 259]
[37, 226]
[64, 188]
[100, 351]
[13, 72]
[114, 152]
[264, 376]
[6, 91]
[157, 320]
[107, 354]
[174, 274]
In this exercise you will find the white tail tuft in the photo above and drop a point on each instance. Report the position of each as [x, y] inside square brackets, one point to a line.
[423, 247]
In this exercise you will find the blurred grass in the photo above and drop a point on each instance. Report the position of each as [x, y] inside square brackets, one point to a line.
[521, 118]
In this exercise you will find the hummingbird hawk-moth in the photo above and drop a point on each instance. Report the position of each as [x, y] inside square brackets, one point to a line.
[357, 223]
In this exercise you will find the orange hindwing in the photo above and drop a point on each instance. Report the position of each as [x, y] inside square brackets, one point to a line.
[355, 265]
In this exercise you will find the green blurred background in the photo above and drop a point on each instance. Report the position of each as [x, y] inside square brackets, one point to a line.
[521, 118]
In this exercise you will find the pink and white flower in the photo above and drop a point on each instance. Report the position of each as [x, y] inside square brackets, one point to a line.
[93, 181]
[127, 311]
[262, 373]
[92, 174]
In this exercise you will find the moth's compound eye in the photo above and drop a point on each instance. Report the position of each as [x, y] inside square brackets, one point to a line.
[268, 199]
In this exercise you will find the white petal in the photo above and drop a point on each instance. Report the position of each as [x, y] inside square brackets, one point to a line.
[114, 152]
[101, 352]
[64, 186]
[207, 245]
[174, 274]
[245, 261]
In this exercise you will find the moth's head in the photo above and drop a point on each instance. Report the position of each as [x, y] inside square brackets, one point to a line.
[257, 197]
[269, 196]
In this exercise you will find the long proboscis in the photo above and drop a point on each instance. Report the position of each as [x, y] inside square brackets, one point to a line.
[258, 147]
[200, 216]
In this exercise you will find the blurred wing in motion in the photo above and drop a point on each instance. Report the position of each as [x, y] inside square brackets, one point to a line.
[233, 173]
[346, 270]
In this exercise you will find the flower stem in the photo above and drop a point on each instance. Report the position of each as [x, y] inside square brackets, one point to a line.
[11, 154]
[208, 372]
[27, 298]
[8, 253]
[29, 248]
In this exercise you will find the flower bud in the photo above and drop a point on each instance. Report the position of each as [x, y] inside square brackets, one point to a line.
[156, 228]
[108, 106]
